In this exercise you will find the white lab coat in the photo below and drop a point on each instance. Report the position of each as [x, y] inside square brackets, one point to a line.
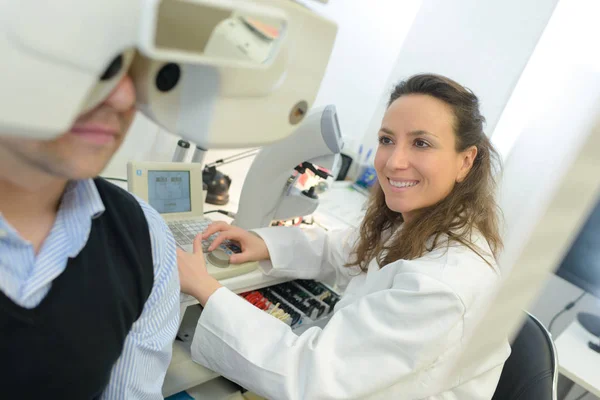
[394, 335]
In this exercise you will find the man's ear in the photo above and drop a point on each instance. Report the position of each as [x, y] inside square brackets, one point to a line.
[467, 158]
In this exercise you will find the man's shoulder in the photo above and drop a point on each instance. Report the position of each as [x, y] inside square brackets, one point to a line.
[106, 187]
[156, 223]
[164, 251]
[161, 238]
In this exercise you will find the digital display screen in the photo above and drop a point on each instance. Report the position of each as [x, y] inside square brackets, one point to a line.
[169, 191]
[581, 265]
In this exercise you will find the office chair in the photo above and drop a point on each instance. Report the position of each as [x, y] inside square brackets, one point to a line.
[531, 371]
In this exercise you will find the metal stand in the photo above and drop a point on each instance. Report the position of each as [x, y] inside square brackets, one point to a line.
[591, 323]
[181, 151]
[199, 155]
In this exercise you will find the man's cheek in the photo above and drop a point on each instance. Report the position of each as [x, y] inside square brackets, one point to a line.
[127, 120]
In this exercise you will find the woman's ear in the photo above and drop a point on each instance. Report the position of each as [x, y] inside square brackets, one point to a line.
[467, 158]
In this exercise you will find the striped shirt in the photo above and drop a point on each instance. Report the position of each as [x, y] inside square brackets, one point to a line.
[26, 279]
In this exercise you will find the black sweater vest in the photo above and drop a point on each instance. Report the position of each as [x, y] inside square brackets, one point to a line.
[66, 347]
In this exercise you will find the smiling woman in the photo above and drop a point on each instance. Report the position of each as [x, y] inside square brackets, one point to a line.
[414, 277]
[435, 171]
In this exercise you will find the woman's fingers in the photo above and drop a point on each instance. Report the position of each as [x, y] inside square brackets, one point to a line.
[239, 258]
[221, 237]
[225, 232]
[215, 227]
[198, 244]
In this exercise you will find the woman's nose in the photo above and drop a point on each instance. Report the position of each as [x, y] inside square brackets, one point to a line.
[399, 158]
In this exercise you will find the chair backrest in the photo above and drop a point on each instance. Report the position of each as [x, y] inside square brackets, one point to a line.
[531, 371]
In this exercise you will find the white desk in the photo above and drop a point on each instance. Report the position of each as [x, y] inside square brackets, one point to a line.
[576, 360]
[183, 373]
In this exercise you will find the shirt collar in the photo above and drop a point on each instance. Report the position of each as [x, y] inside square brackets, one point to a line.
[80, 203]
[82, 196]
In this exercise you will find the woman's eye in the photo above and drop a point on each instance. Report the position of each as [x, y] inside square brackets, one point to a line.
[421, 143]
[385, 140]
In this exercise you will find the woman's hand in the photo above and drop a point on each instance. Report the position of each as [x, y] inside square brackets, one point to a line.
[253, 247]
[193, 276]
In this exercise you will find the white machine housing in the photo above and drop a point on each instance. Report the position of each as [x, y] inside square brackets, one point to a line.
[269, 192]
[53, 58]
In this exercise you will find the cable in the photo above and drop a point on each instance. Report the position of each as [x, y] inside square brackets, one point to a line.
[564, 310]
[227, 213]
[583, 395]
[315, 222]
[233, 158]
[114, 179]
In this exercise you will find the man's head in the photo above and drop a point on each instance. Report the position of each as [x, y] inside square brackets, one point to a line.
[86, 149]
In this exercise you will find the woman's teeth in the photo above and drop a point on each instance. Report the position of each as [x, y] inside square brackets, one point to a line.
[402, 184]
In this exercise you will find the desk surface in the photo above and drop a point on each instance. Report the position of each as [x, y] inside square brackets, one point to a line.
[576, 360]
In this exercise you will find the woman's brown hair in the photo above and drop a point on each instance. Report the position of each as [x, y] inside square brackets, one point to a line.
[470, 205]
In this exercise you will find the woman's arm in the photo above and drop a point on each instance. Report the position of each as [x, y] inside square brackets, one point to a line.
[392, 343]
[289, 252]
[309, 254]
[292, 252]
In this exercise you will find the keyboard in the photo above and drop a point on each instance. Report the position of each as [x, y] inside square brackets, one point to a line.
[185, 231]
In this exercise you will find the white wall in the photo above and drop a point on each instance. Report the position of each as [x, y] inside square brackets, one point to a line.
[368, 42]
[483, 45]
[562, 50]
[370, 36]
[570, 41]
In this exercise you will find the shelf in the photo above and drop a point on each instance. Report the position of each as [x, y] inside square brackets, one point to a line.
[240, 284]
[217, 389]
[251, 281]
[183, 372]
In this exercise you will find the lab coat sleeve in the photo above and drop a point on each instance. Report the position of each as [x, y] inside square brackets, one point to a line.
[309, 254]
[388, 338]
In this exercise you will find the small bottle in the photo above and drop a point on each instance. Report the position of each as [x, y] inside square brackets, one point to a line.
[366, 173]
[367, 177]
